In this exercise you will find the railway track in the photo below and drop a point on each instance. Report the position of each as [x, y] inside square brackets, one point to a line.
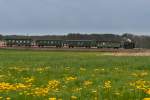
[77, 49]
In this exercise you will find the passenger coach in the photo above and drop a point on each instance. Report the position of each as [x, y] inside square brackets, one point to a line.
[18, 42]
[49, 43]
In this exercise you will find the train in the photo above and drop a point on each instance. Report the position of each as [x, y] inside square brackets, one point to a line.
[27, 42]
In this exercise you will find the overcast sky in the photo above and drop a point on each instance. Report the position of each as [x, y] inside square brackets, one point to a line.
[64, 16]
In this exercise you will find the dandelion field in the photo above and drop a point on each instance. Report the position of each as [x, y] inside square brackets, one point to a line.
[43, 75]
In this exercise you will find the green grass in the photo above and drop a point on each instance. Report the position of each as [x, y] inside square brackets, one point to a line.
[94, 67]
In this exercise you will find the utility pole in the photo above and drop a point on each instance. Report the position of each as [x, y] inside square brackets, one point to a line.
[27, 35]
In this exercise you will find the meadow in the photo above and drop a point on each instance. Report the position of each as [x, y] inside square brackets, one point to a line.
[43, 75]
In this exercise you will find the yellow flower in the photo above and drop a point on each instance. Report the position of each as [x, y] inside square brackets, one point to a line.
[73, 97]
[11, 87]
[8, 98]
[1, 97]
[143, 74]
[140, 84]
[107, 84]
[146, 99]
[39, 91]
[52, 99]
[29, 79]
[53, 84]
[147, 91]
[70, 78]
[87, 83]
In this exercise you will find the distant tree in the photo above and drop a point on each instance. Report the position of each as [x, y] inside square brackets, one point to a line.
[1, 37]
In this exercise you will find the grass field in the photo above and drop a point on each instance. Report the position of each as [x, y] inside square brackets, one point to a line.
[41, 75]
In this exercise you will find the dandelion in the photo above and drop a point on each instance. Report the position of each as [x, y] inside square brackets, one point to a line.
[142, 74]
[70, 78]
[146, 99]
[11, 87]
[147, 91]
[140, 84]
[29, 79]
[39, 91]
[52, 98]
[87, 83]
[107, 84]
[8, 98]
[53, 84]
[73, 97]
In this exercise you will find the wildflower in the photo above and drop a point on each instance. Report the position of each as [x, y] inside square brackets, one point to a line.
[146, 99]
[29, 79]
[53, 84]
[8, 98]
[10, 87]
[140, 84]
[143, 74]
[40, 69]
[73, 97]
[39, 91]
[70, 78]
[52, 98]
[147, 91]
[87, 83]
[107, 84]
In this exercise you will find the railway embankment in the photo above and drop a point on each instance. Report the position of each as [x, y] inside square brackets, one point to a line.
[80, 49]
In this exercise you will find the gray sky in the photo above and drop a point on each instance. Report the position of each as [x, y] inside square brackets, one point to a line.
[64, 16]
